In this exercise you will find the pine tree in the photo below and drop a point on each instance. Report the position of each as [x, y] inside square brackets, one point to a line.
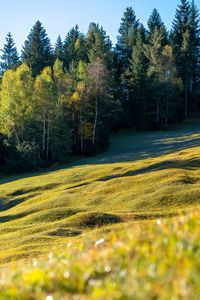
[99, 45]
[37, 51]
[182, 46]
[165, 84]
[155, 22]
[126, 37]
[59, 49]
[126, 41]
[182, 16]
[138, 80]
[195, 49]
[70, 49]
[9, 57]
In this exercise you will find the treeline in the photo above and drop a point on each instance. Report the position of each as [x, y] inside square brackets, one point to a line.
[64, 100]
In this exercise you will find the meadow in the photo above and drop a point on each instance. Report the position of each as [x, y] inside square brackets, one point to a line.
[121, 225]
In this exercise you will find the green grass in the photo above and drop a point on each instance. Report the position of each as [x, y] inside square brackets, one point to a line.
[142, 176]
[147, 260]
[121, 185]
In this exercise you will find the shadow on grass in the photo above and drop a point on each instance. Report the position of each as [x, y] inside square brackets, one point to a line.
[168, 164]
[14, 217]
[130, 146]
[6, 204]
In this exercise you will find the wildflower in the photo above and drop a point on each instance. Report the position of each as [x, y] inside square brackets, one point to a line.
[66, 275]
[99, 242]
[35, 262]
[158, 222]
[69, 245]
[108, 269]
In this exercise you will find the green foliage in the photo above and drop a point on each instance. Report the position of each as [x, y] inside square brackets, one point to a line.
[84, 88]
[15, 105]
[138, 79]
[75, 48]
[32, 117]
[59, 49]
[155, 23]
[99, 45]
[9, 58]
[185, 40]
[126, 38]
[37, 51]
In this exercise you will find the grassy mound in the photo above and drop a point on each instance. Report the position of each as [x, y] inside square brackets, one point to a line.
[143, 176]
[147, 260]
[93, 219]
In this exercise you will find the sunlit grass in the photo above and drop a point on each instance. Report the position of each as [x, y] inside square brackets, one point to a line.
[106, 216]
[146, 260]
[77, 198]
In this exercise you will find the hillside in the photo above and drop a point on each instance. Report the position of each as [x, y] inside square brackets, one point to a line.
[141, 176]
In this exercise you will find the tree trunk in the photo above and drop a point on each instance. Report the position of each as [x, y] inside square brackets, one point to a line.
[81, 120]
[95, 122]
[44, 132]
[17, 138]
[48, 139]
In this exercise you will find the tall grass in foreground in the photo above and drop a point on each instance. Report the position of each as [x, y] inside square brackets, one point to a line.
[146, 260]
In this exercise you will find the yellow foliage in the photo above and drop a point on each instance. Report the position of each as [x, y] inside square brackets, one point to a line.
[88, 130]
[75, 97]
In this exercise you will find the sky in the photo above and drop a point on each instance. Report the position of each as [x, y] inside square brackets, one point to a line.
[59, 16]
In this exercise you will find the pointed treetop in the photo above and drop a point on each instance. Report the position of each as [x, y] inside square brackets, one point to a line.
[129, 21]
[37, 50]
[155, 20]
[9, 57]
[98, 43]
[182, 15]
[59, 49]
[127, 35]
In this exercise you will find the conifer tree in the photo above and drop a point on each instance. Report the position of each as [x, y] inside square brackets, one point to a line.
[155, 22]
[138, 80]
[70, 46]
[9, 57]
[59, 49]
[195, 48]
[37, 51]
[185, 38]
[165, 83]
[99, 45]
[126, 37]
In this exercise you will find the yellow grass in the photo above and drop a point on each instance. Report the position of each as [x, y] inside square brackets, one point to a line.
[142, 176]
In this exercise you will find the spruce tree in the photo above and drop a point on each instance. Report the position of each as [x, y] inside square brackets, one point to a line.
[181, 39]
[70, 43]
[180, 25]
[37, 51]
[155, 22]
[138, 80]
[195, 47]
[9, 57]
[59, 49]
[99, 44]
[126, 37]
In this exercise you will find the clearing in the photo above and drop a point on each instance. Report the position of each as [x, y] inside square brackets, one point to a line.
[142, 176]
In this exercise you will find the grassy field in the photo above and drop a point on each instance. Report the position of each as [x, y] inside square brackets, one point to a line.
[117, 199]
